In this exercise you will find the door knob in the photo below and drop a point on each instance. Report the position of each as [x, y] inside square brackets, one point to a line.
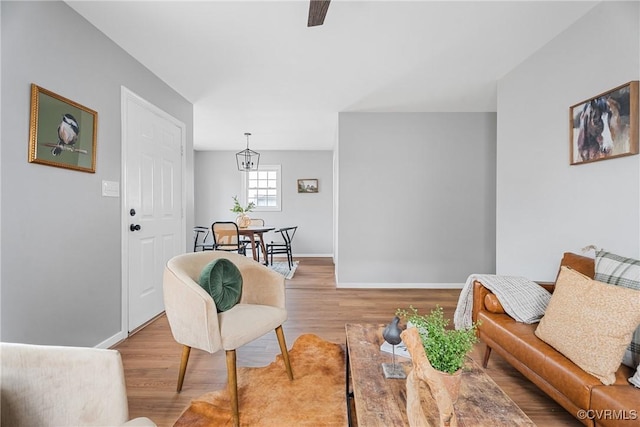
[135, 227]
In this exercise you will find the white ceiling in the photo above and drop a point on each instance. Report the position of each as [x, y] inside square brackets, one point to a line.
[254, 66]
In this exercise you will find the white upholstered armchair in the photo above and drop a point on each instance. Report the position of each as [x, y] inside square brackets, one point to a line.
[63, 386]
[195, 322]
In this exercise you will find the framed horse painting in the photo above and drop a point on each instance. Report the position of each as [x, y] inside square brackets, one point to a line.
[605, 126]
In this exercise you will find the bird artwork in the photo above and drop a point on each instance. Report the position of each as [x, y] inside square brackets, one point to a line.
[391, 334]
[68, 131]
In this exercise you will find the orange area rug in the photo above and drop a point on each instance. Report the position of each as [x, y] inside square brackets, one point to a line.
[315, 397]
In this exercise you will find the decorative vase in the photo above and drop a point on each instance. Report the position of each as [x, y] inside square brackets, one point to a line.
[243, 220]
[423, 372]
[452, 383]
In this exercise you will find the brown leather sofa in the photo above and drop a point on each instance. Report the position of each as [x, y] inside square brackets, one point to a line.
[583, 395]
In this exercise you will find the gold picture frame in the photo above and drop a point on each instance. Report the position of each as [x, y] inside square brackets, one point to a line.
[307, 186]
[62, 133]
[605, 126]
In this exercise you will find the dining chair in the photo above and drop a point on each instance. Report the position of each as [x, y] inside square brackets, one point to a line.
[283, 247]
[201, 239]
[227, 238]
[194, 319]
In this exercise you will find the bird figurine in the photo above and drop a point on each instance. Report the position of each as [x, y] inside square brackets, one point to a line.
[68, 131]
[391, 333]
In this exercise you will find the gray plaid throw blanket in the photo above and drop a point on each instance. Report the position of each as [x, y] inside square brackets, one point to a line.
[522, 299]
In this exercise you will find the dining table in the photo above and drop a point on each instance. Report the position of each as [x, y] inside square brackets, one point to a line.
[251, 232]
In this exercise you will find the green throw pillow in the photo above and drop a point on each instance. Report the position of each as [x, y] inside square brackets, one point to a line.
[222, 279]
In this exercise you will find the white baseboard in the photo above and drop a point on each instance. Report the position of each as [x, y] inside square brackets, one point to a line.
[313, 255]
[352, 285]
[110, 342]
[300, 255]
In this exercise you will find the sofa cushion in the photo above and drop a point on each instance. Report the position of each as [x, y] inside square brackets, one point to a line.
[539, 357]
[223, 281]
[492, 304]
[617, 270]
[583, 264]
[590, 322]
[616, 405]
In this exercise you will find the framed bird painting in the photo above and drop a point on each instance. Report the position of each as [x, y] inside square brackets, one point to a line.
[62, 133]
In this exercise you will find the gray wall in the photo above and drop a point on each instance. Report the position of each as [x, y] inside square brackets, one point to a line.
[217, 180]
[545, 206]
[416, 198]
[61, 245]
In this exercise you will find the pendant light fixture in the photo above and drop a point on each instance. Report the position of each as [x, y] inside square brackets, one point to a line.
[247, 159]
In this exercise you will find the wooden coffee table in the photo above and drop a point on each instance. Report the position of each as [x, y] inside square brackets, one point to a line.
[383, 402]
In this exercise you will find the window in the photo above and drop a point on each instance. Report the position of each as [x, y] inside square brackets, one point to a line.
[262, 187]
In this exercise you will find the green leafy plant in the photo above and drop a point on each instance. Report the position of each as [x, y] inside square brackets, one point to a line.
[237, 208]
[446, 348]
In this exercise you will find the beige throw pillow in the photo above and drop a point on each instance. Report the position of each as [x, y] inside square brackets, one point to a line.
[590, 322]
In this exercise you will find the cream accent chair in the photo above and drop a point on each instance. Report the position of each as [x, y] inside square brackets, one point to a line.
[195, 322]
[63, 386]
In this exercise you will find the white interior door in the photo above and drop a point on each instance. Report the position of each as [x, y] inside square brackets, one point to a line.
[153, 203]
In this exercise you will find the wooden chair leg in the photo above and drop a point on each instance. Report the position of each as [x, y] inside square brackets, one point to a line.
[186, 350]
[485, 360]
[232, 386]
[284, 351]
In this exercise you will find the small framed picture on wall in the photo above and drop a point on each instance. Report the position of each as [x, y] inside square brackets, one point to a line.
[307, 186]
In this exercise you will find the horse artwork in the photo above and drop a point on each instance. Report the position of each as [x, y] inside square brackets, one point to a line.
[605, 126]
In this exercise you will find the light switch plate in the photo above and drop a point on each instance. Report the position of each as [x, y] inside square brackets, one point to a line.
[110, 188]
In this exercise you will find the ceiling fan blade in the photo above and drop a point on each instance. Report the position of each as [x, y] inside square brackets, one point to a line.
[317, 12]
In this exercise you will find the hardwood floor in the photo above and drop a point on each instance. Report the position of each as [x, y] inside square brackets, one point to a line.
[151, 357]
